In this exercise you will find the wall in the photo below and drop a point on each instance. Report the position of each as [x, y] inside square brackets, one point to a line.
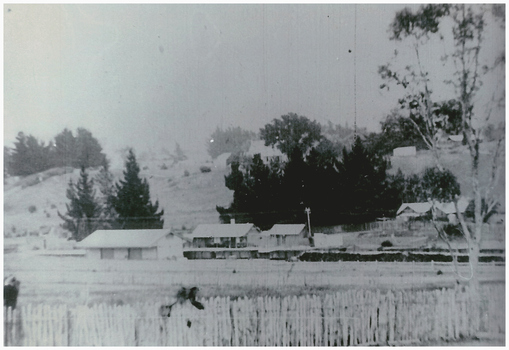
[94, 254]
[149, 253]
[120, 253]
[170, 247]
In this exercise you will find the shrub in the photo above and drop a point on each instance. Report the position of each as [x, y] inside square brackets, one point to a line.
[186, 173]
[53, 206]
[205, 169]
[386, 244]
[32, 209]
[164, 167]
[452, 230]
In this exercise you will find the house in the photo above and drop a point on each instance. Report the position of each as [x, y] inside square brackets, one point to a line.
[405, 151]
[222, 235]
[267, 153]
[281, 235]
[442, 210]
[412, 210]
[133, 245]
[449, 209]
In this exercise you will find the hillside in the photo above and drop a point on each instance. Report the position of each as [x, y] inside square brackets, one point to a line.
[457, 160]
[186, 200]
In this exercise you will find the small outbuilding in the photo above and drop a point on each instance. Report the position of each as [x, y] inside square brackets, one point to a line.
[133, 245]
[405, 151]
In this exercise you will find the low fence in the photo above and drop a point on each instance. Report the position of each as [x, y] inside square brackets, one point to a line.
[354, 317]
[399, 226]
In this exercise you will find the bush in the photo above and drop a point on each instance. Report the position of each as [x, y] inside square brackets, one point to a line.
[32, 209]
[164, 167]
[452, 230]
[386, 244]
[205, 169]
[186, 173]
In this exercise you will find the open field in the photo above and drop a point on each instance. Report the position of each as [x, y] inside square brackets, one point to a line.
[77, 280]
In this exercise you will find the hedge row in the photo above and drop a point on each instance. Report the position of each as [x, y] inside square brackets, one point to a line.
[392, 257]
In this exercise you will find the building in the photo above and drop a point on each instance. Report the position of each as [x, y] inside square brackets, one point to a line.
[267, 153]
[412, 210]
[449, 209]
[222, 235]
[133, 245]
[442, 210]
[281, 235]
[405, 151]
[221, 241]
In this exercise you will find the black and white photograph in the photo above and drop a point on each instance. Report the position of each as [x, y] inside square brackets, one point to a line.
[254, 174]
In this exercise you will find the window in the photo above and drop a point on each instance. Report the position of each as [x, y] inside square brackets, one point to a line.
[107, 253]
[134, 253]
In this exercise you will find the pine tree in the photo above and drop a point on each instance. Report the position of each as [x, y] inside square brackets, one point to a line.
[132, 200]
[84, 213]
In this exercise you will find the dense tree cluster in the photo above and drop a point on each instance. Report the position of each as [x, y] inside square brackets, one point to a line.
[30, 156]
[350, 188]
[122, 205]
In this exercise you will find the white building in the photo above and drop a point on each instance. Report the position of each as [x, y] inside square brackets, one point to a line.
[405, 151]
[133, 245]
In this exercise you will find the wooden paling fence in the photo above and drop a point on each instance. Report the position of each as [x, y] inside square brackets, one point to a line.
[354, 317]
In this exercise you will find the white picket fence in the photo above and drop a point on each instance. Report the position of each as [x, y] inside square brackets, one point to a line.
[354, 317]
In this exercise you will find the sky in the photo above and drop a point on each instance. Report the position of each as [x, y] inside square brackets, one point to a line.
[148, 76]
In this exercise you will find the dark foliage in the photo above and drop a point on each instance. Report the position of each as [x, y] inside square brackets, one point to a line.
[352, 190]
[30, 156]
[386, 244]
[292, 134]
[83, 214]
[11, 291]
[131, 200]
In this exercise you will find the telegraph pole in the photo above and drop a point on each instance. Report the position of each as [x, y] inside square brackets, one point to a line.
[308, 211]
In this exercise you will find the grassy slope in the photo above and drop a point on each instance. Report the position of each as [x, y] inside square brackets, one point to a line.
[186, 200]
[458, 161]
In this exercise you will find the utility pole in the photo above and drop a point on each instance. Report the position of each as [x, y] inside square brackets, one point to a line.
[308, 211]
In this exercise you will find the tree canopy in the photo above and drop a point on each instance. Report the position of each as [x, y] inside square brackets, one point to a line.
[83, 214]
[131, 200]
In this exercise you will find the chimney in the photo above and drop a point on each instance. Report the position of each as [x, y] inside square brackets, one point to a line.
[232, 221]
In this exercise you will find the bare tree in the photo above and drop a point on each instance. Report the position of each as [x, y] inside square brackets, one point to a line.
[466, 60]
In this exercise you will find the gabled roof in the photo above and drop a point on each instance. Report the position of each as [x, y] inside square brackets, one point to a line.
[286, 230]
[418, 208]
[221, 230]
[450, 208]
[124, 238]
[446, 208]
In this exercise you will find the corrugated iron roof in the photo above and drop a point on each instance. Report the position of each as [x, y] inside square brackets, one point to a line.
[447, 208]
[221, 230]
[450, 208]
[419, 208]
[285, 230]
[124, 238]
